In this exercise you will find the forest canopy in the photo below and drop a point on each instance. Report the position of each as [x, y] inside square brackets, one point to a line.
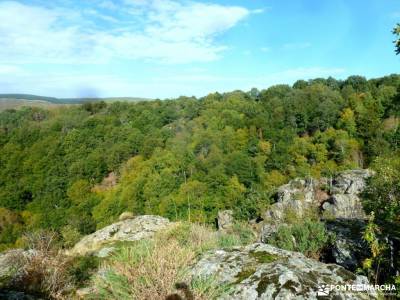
[75, 169]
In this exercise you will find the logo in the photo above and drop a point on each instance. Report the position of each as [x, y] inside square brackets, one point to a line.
[386, 289]
[323, 290]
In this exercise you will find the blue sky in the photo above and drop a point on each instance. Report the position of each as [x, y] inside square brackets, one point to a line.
[168, 48]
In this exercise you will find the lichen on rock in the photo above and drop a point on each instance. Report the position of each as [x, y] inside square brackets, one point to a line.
[338, 196]
[134, 229]
[261, 271]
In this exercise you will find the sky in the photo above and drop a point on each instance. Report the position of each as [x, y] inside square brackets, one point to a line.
[168, 48]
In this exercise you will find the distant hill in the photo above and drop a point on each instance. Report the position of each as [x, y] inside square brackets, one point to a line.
[66, 100]
[27, 97]
[8, 101]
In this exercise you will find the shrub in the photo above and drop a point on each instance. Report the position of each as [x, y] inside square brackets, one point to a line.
[292, 216]
[180, 232]
[70, 236]
[283, 238]
[82, 268]
[228, 241]
[244, 232]
[44, 269]
[309, 237]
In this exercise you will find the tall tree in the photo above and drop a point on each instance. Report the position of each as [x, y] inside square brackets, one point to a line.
[396, 32]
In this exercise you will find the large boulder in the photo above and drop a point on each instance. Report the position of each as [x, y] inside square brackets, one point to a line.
[261, 271]
[128, 230]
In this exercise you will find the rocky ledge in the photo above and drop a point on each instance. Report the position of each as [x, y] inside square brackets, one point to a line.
[133, 229]
[261, 271]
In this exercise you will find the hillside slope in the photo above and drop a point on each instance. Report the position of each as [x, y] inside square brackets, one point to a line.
[8, 101]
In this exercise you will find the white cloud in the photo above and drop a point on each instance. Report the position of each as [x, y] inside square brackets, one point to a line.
[166, 31]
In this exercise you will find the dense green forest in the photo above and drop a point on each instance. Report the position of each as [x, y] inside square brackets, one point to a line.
[75, 169]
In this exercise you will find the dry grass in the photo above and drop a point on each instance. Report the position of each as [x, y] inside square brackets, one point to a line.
[146, 269]
[43, 268]
[150, 269]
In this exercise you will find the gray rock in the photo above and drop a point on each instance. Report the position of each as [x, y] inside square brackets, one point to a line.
[225, 220]
[11, 263]
[268, 230]
[337, 197]
[297, 196]
[351, 181]
[128, 230]
[346, 206]
[298, 189]
[345, 190]
[14, 295]
[105, 252]
[348, 248]
[261, 271]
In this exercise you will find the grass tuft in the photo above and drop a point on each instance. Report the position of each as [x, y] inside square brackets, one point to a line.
[150, 269]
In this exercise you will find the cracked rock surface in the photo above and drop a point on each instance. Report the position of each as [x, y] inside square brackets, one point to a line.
[129, 230]
[261, 271]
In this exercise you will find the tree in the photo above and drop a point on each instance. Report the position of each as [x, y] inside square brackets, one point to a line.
[347, 121]
[223, 150]
[396, 32]
[383, 193]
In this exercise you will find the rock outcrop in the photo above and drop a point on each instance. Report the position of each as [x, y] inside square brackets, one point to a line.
[337, 197]
[261, 271]
[133, 229]
[337, 201]
[10, 265]
[344, 201]
[225, 220]
[348, 249]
